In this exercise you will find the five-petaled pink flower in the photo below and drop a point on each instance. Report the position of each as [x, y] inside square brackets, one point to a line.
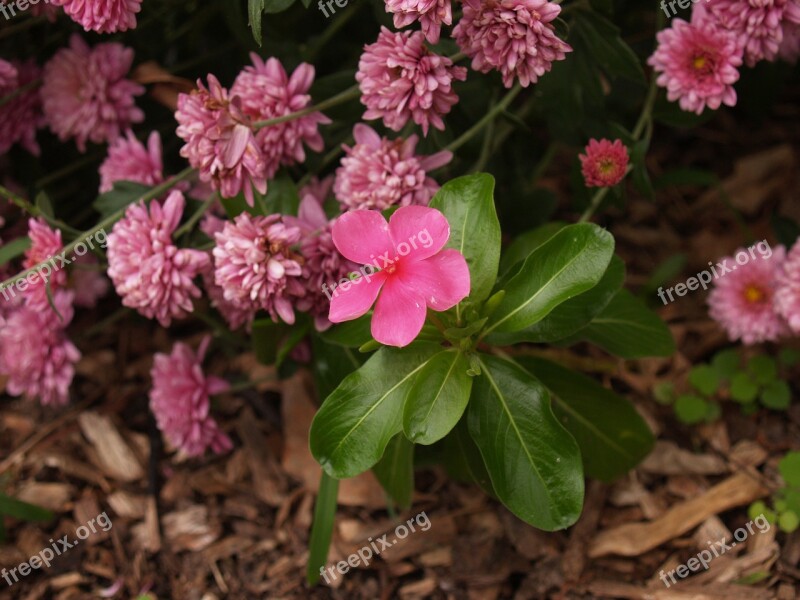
[415, 273]
[604, 163]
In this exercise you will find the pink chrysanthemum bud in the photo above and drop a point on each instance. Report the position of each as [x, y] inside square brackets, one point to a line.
[256, 267]
[22, 115]
[431, 14]
[86, 95]
[45, 244]
[515, 37]
[102, 16]
[379, 173]
[129, 160]
[149, 272]
[400, 79]
[180, 400]
[604, 163]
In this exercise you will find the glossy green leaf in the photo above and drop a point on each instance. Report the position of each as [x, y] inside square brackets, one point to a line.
[395, 470]
[122, 194]
[355, 423]
[438, 398]
[524, 244]
[568, 264]
[463, 460]
[533, 462]
[612, 436]
[350, 334]
[332, 364]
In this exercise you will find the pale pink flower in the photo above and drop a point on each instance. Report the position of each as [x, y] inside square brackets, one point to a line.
[742, 300]
[180, 400]
[413, 275]
[400, 79]
[35, 352]
[515, 37]
[149, 272]
[379, 173]
[256, 267]
[697, 63]
[604, 163]
[102, 16]
[129, 160]
[267, 92]
[787, 294]
[85, 93]
[21, 116]
[220, 143]
[431, 14]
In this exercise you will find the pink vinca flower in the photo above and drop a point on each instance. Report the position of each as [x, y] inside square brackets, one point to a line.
[129, 160]
[415, 273]
[604, 163]
[180, 400]
[379, 173]
[86, 95]
[22, 115]
[697, 63]
[102, 16]
[400, 79]
[431, 14]
[742, 300]
[149, 272]
[787, 294]
[220, 143]
[515, 37]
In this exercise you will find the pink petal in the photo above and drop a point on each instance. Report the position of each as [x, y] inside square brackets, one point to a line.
[363, 236]
[418, 232]
[364, 134]
[350, 304]
[443, 280]
[234, 149]
[399, 314]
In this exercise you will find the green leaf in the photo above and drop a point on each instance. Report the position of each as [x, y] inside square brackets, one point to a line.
[533, 462]
[691, 409]
[350, 334]
[664, 392]
[524, 244]
[43, 204]
[627, 328]
[607, 47]
[776, 395]
[612, 436]
[255, 8]
[789, 468]
[726, 363]
[13, 249]
[569, 263]
[355, 423]
[123, 194]
[788, 521]
[788, 357]
[764, 369]
[332, 364]
[438, 398]
[23, 511]
[463, 460]
[468, 204]
[743, 388]
[282, 197]
[266, 335]
[322, 527]
[395, 470]
[704, 379]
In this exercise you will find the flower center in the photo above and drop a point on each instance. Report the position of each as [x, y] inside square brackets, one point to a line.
[606, 166]
[754, 294]
[390, 269]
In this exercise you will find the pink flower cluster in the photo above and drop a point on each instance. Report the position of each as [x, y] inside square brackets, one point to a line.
[759, 301]
[102, 16]
[431, 14]
[129, 160]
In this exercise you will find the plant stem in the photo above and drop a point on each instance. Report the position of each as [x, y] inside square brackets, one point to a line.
[198, 214]
[349, 94]
[35, 211]
[488, 117]
[598, 198]
[246, 385]
[19, 91]
[26, 24]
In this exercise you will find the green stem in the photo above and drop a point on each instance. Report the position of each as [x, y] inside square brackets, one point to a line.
[322, 527]
[35, 211]
[19, 91]
[349, 94]
[198, 214]
[247, 385]
[26, 24]
[647, 110]
[488, 117]
[598, 198]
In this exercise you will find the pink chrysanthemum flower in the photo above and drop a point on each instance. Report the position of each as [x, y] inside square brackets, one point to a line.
[742, 300]
[698, 63]
[234, 315]
[35, 352]
[129, 160]
[415, 273]
[787, 295]
[431, 14]
[604, 163]
[88, 284]
[180, 400]
[379, 173]
[45, 244]
[102, 16]
[267, 92]
[256, 267]
[86, 95]
[400, 79]
[790, 46]
[149, 272]
[21, 116]
[219, 141]
[515, 37]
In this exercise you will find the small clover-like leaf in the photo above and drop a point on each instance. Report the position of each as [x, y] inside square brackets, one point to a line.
[704, 379]
[691, 409]
[743, 388]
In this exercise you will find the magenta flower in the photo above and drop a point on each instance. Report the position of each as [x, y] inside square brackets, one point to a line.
[604, 163]
[515, 37]
[219, 141]
[379, 173]
[787, 294]
[86, 95]
[697, 63]
[180, 400]
[45, 244]
[415, 273]
[431, 14]
[267, 92]
[256, 267]
[35, 352]
[742, 300]
[149, 272]
[400, 79]
[102, 16]
[22, 115]
[129, 160]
